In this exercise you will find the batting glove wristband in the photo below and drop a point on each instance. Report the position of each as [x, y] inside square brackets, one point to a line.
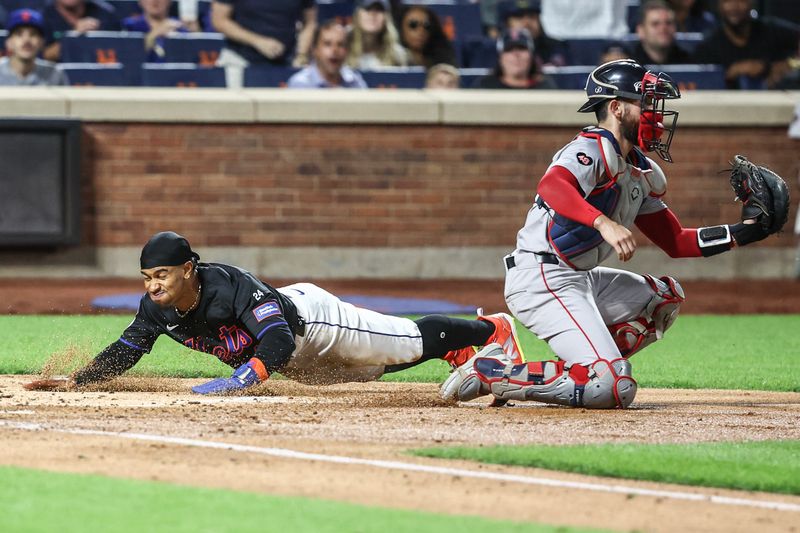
[249, 374]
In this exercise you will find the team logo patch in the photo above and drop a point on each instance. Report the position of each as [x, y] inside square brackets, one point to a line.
[584, 159]
[635, 192]
[264, 311]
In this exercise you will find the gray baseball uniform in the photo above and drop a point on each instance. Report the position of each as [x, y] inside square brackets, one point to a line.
[554, 285]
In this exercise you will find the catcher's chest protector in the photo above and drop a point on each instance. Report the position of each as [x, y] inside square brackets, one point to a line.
[618, 188]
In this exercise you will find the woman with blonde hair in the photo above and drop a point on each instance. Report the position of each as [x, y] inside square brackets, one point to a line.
[374, 41]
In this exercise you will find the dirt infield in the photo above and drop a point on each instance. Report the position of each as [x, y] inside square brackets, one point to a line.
[90, 431]
[22, 296]
[75, 432]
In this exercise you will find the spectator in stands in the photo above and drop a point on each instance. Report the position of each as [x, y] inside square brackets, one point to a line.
[514, 14]
[156, 23]
[656, 31]
[582, 19]
[691, 16]
[374, 41]
[516, 68]
[259, 32]
[443, 76]
[24, 42]
[328, 69]
[614, 51]
[754, 54]
[75, 15]
[422, 35]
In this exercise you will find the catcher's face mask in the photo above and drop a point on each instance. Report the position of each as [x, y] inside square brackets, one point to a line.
[655, 122]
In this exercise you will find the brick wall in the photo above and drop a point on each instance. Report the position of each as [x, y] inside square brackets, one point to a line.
[367, 185]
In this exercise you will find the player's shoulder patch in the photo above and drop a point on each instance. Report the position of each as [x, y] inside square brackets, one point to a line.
[266, 310]
[656, 179]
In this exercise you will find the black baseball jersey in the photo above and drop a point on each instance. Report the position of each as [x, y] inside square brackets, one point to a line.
[238, 317]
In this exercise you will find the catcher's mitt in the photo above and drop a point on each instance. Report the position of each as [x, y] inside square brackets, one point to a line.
[764, 194]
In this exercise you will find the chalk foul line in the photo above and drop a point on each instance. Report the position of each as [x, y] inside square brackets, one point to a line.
[413, 467]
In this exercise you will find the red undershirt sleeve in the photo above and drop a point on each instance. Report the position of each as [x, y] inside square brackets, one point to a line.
[560, 189]
[665, 230]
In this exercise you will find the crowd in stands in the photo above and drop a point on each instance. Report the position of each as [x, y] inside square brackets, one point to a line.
[485, 44]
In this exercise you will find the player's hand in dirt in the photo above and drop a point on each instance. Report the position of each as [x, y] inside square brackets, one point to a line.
[51, 384]
[617, 236]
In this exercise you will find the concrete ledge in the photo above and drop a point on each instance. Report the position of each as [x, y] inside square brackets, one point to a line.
[131, 104]
[397, 263]
[481, 107]
[321, 106]
[532, 108]
[32, 102]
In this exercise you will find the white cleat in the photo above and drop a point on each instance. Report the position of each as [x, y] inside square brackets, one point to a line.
[449, 389]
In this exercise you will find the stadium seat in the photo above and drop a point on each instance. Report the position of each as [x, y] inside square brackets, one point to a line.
[585, 51]
[95, 74]
[459, 21]
[688, 77]
[688, 41]
[181, 75]
[395, 78]
[268, 76]
[335, 9]
[479, 52]
[106, 47]
[469, 75]
[702, 77]
[200, 48]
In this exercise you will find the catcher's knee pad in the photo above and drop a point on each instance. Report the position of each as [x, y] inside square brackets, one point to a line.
[601, 385]
[658, 315]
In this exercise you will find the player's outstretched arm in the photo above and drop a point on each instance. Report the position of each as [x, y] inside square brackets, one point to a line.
[765, 206]
[116, 359]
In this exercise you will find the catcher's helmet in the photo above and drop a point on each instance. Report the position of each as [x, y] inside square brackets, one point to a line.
[627, 79]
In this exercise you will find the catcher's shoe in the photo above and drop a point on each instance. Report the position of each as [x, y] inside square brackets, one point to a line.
[449, 389]
[505, 334]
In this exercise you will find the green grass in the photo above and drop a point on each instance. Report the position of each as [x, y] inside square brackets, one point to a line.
[34, 500]
[755, 352]
[769, 466]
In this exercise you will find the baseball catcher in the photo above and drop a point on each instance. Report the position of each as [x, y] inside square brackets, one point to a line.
[599, 185]
[301, 331]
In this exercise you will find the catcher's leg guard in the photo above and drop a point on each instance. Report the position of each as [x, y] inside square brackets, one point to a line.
[449, 389]
[601, 385]
[656, 318]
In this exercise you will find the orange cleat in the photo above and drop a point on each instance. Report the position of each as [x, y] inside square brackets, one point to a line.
[505, 334]
[456, 358]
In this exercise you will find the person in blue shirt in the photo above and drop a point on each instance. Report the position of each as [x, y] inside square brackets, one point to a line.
[329, 50]
[262, 32]
[156, 23]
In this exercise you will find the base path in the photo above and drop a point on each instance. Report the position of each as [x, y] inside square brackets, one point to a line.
[349, 443]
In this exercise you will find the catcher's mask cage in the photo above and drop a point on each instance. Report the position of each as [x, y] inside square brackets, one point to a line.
[625, 78]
